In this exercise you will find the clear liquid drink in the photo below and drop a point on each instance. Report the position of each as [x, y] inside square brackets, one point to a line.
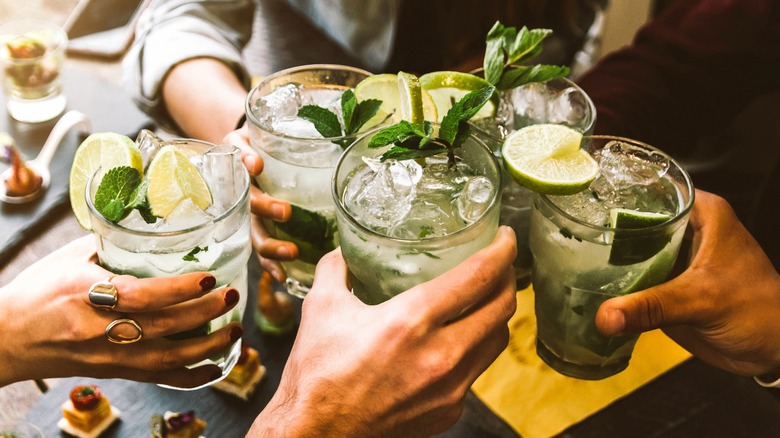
[189, 239]
[402, 223]
[298, 161]
[619, 236]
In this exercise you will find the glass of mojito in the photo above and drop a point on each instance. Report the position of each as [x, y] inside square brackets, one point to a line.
[189, 213]
[299, 160]
[405, 221]
[32, 55]
[619, 235]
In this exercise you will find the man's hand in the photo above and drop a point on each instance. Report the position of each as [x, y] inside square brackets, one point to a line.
[724, 308]
[400, 368]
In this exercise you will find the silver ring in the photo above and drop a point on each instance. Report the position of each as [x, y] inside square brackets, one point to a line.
[103, 294]
[124, 339]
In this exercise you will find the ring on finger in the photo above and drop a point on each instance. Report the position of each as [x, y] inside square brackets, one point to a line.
[104, 294]
[120, 338]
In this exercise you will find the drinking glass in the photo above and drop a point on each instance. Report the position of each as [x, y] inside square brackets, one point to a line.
[215, 240]
[32, 55]
[429, 219]
[582, 257]
[298, 161]
[558, 101]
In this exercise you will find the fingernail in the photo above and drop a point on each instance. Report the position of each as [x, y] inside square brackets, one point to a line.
[616, 322]
[216, 374]
[236, 333]
[283, 253]
[278, 211]
[231, 297]
[208, 283]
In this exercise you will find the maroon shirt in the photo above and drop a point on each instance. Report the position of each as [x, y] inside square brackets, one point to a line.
[688, 74]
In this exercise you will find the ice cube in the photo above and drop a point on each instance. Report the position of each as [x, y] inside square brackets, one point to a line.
[134, 221]
[186, 215]
[584, 206]
[148, 144]
[425, 220]
[300, 128]
[625, 165]
[569, 107]
[380, 199]
[224, 173]
[530, 104]
[474, 199]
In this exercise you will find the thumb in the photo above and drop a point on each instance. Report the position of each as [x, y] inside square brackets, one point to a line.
[330, 278]
[666, 304]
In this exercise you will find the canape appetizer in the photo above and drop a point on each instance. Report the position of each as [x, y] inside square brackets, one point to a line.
[245, 376]
[177, 425]
[87, 413]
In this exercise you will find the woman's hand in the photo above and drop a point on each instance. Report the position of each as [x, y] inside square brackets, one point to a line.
[400, 368]
[269, 250]
[51, 329]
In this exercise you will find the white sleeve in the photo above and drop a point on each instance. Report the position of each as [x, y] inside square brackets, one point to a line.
[173, 31]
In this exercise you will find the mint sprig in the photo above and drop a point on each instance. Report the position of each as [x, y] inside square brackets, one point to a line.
[355, 114]
[506, 47]
[411, 141]
[191, 256]
[120, 191]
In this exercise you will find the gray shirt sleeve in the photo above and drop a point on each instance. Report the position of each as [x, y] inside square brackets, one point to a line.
[173, 31]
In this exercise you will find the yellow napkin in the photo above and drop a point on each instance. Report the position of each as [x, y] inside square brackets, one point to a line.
[538, 402]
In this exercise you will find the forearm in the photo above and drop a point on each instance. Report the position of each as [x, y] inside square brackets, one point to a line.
[204, 97]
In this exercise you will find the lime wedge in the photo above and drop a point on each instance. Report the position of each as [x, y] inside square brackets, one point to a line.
[547, 159]
[448, 87]
[630, 249]
[100, 150]
[410, 101]
[385, 88]
[624, 218]
[172, 179]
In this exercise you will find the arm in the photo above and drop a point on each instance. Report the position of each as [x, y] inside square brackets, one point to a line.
[400, 368]
[724, 308]
[172, 32]
[50, 329]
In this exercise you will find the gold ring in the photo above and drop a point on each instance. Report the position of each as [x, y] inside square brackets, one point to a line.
[121, 339]
[103, 294]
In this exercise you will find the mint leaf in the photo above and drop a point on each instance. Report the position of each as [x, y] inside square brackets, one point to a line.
[364, 111]
[311, 231]
[115, 191]
[325, 122]
[525, 75]
[190, 256]
[139, 201]
[505, 47]
[462, 111]
[398, 133]
[348, 105]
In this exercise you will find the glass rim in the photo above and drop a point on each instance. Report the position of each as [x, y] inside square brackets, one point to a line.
[680, 215]
[250, 116]
[116, 227]
[495, 202]
[31, 25]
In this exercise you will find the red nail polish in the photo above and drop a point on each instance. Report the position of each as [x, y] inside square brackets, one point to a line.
[208, 283]
[236, 333]
[216, 375]
[231, 297]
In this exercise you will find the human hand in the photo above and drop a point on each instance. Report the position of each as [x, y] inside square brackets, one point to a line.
[50, 328]
[724, 308]
[269, 250]
[400, 368]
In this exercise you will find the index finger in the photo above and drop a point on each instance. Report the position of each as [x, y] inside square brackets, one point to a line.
[144, 294]
[240, 139]
[450, 294]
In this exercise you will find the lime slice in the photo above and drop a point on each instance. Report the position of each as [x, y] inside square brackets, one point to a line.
[385, 88]
[630, 249]
[101, 150]
[172, 179]
[547, 159]
[448, 87]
